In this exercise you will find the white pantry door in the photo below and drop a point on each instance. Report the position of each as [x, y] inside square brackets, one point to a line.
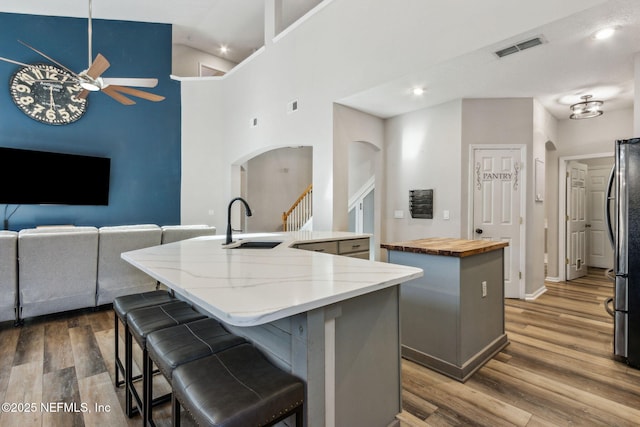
[576, 262]
[496, 207]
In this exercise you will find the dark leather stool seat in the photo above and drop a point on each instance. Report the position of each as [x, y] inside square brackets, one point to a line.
[237, 387]
[124, 304]
[175, 346]
[171, 347]
[141, 323]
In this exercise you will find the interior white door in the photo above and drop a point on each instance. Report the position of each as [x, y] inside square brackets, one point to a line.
[576, 220]
[600, 252]
[496, 207]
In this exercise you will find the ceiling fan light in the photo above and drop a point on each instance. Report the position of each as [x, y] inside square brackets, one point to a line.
[89, 83]
[89, 86]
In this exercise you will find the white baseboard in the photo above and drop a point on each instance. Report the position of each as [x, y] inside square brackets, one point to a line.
[552, 279]
[536, 294]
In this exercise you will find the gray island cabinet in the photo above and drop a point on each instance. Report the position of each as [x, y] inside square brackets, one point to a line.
[331, 320]
[452, 318]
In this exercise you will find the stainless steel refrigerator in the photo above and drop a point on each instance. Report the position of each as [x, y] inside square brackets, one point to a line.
[624, 232]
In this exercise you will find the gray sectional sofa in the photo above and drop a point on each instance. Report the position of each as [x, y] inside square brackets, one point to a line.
[55, 269]
[8, 274]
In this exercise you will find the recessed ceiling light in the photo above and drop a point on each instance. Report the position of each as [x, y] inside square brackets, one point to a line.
[604, 33]
[418, 91]
[224, 49]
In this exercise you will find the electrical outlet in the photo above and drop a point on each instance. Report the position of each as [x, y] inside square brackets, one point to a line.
[484, 288]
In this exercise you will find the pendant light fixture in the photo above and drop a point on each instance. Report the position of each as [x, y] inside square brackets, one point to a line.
[586, 109]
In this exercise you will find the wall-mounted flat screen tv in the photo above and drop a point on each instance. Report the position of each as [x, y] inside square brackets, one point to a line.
[30, 177]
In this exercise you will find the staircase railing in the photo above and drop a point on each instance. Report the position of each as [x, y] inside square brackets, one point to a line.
[300, 211]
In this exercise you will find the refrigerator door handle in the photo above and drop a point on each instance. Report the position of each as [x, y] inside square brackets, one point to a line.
[607, 306]
[607, 213]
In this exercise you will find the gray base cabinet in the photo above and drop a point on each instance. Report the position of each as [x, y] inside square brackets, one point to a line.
[355, 248]
[452, 318]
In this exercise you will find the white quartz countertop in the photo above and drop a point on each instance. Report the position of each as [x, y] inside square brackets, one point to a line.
[247, 287]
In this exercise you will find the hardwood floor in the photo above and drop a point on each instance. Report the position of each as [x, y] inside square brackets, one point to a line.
[67, 359]
[556, 371]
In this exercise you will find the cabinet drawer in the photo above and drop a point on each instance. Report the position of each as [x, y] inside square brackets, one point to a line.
[361, 255]
[353, 245]
[327, 247]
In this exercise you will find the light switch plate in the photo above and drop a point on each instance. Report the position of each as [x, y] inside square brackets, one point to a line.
[398, 214]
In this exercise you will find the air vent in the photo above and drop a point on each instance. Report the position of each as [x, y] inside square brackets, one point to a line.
[519, 47]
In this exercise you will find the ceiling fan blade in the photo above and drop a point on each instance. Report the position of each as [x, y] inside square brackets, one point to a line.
[136, 92]
[130, 82]
[49, 58]
[14, 62]
[109, 90]
[98, 66]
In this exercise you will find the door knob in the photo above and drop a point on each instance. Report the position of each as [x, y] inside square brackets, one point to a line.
[479, 230]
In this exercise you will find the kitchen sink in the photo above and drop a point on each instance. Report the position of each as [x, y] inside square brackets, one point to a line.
[258, 244]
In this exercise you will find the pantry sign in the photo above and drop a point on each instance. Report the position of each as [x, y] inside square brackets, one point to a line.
[504, 176]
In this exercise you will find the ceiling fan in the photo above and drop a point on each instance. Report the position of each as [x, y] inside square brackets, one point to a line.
[91, 79]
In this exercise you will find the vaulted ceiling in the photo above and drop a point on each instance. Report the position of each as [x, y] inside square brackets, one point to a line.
[570, 63]
[201, 24]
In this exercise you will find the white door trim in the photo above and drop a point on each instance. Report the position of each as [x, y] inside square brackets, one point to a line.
[523, 199]
[562, 208]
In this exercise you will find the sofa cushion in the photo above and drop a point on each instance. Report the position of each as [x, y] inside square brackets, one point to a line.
[175, 233]
[57, 269]
[116, 277]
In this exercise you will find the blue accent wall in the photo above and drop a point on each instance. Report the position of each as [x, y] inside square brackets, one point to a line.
[142, 140]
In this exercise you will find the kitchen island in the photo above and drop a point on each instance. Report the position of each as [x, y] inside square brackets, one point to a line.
[452, 317]
[331, 320]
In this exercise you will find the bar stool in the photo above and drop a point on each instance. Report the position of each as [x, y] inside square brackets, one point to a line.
[141, 323]
[171, 347]
[123, 305]
[236, 387]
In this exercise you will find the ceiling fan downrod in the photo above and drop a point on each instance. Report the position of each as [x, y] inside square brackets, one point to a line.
[89, 35]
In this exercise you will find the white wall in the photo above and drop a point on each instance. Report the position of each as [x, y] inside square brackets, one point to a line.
[275, 180]
[351, 127]
[361, 165]
[423, 152]
[515, 121]
[185, 61]
[545, 128]
[358, 143]
[333, 54]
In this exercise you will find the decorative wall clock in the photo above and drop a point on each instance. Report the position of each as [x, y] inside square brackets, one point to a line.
[47, 94]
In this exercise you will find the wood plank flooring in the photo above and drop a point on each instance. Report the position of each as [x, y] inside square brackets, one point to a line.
[556, 371]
